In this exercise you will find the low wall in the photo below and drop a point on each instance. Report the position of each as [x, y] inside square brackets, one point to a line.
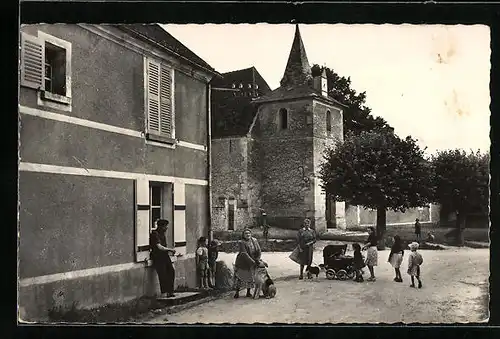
[37, 299]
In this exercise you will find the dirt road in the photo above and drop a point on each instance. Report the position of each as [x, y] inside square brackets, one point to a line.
[455, 282]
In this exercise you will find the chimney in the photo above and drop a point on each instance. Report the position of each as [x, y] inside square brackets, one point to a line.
[320, 83]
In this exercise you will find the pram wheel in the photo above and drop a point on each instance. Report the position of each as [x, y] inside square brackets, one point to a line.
[342, 275]
[351, 274]
[330, 274]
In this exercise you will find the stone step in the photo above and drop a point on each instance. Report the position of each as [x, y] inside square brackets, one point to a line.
[180, 298]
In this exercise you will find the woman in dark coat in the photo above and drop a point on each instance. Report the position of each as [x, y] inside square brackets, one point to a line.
[396, 257]
[306, 238]
[246, 262]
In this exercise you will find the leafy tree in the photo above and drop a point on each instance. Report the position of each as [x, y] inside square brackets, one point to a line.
[377, 170]
[461, 184]
[357, 117]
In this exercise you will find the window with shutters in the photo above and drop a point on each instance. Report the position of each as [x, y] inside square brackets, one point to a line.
[46, 67]
[159, 102]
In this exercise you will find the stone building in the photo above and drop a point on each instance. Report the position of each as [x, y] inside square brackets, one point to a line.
[266, 148]
[272, 158]
[114, 133]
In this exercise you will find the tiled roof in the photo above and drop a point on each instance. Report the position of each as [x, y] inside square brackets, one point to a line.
[232, 115]
[245, 76]
[156, 34]
[297, 71]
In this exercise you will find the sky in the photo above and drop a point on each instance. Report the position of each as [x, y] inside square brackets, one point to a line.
[427, 81]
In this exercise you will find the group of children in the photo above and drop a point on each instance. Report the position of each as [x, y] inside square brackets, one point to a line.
[206, 258]
[415, 260]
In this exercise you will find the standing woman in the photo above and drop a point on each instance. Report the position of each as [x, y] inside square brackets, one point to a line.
[246, 261]
[160, 254]
[371, 253]
[305, 240]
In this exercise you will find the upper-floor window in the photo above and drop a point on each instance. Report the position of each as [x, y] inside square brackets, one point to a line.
[159, 103]
[256, 86]
[233, 86]
[46, 67]
[241, 85]
[328, 121]
[283, 118]
[249, 85]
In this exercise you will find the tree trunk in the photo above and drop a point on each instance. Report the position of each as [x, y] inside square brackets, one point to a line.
[460, 225]
[381, 220]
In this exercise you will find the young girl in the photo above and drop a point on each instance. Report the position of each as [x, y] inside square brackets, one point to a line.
[213, 253]
[414, 261]
[396, 257]
[202, 261]
[359, 262]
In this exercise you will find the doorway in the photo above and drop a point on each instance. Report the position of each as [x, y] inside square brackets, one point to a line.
[230, 214]
[331, 211]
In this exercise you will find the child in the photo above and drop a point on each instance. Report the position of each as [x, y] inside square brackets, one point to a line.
[202, 261]
[414, 261]
[430, 237]
[213, 253]
[396, 257]
[359, 262]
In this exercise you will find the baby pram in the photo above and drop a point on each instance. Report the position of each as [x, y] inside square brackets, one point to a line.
[337, 264]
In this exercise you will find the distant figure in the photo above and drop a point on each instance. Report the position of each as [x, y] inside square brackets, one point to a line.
[263, 223]
[418, 229]
[213, 254]
[202, 262]
[414, 261]
[161, 258]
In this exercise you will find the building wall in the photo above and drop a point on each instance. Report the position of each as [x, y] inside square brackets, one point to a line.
[366, 217]
[323, 140]
[232, 180]
[75, 217]
[286, 157]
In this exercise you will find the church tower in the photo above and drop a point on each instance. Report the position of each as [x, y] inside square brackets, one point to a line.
[294, 125]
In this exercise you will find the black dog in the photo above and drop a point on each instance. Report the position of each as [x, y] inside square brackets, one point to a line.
[313, 270]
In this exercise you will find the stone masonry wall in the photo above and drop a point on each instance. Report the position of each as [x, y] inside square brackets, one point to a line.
[230, 181]
[324, 139]
[287, 171]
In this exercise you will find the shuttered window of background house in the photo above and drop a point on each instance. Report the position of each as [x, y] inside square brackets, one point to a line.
[32, 62]
[159, 102]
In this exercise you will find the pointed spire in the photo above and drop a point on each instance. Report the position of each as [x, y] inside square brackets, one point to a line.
[298, 70]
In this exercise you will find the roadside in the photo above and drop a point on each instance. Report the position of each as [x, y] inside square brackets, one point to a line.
[455, 290]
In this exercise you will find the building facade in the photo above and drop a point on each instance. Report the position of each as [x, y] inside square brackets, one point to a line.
[271, 161]
[114, 134]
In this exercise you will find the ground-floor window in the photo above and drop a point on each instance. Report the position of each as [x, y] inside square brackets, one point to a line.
[156, 197]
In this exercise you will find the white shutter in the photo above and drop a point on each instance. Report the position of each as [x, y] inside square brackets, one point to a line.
[180, 217]
[153, 103]
[142, 222]
[166, 100]
[32, 62]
